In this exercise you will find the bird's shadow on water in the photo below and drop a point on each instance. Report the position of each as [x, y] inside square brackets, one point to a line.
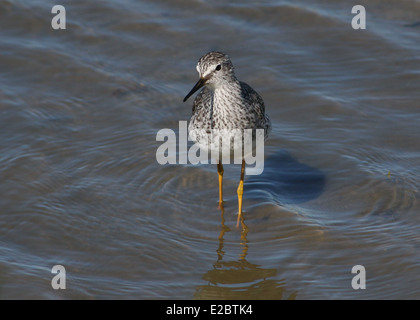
[412, 25]
[285, 181]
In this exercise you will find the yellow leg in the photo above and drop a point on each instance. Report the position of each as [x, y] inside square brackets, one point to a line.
[220, 171]
[240, 192]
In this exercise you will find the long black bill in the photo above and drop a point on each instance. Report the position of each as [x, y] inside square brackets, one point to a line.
[197, 86]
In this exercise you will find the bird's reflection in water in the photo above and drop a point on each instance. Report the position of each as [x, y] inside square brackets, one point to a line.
[240, 279]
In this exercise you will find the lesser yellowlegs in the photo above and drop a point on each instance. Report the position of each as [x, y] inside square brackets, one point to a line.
[225, 103]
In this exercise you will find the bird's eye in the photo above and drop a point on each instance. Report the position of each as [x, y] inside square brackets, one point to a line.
[218, 67]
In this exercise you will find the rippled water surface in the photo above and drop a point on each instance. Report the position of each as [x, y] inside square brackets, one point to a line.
[80, 185]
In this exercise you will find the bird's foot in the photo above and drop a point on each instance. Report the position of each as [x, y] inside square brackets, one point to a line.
[221, 205]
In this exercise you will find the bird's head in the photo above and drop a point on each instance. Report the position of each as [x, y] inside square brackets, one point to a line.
[214, 69]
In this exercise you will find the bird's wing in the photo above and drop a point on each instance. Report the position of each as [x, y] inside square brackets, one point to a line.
[257, 103]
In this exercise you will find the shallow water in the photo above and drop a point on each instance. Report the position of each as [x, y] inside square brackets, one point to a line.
[80, 185]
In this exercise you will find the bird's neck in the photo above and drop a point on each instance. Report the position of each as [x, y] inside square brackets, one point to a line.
[224, 96]
[224, 88]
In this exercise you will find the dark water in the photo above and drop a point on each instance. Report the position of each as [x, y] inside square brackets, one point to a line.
[80, 185]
